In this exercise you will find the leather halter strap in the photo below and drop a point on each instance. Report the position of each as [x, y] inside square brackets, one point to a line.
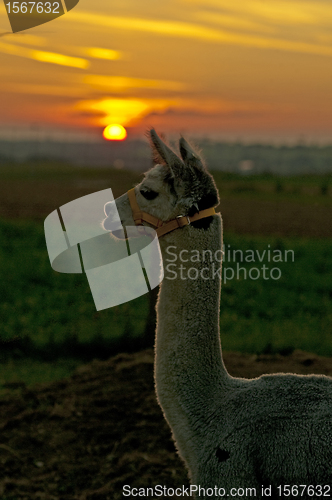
[164, 227]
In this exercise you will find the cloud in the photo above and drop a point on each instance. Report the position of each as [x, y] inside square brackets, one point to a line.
[114, 110]
[24, 38]
[27, 39]
[42, 56]
[62, 60]
[209, 110]
[169, 28]
[41, 89]
[131, 112]
[233, 21]
[8, 48]
[198, 32]
[121, 83]
[121, 111]
[282, 12]
[98, 53]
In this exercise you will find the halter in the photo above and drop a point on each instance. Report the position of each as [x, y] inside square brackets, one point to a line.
[164, 227]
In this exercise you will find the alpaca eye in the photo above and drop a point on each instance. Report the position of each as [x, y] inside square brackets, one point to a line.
[149, 195]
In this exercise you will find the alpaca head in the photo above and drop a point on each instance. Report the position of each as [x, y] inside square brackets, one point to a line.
[175, 186]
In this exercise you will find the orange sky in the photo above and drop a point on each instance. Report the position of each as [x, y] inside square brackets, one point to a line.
[259, 69]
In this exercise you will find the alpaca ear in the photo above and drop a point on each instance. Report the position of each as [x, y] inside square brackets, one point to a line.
[166, 155]
[189, 156]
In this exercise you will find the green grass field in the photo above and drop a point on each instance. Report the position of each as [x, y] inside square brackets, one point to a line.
[55, 311]
[47, 307]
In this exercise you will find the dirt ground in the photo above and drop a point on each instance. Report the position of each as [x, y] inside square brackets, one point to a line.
[85, 437]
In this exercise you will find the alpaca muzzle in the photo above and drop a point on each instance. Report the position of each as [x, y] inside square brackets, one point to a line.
[164, 227]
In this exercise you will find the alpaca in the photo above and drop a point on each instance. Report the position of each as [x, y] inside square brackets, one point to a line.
[236, 436]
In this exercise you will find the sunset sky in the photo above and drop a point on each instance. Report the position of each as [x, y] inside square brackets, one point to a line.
[258, 69]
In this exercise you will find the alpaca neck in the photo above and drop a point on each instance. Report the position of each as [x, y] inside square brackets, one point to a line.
[190, 375]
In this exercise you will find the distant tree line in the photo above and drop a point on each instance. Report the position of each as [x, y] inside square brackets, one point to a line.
[234, 157]
[260, 158]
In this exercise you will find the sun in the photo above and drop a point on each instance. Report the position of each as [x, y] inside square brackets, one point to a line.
[114, 132]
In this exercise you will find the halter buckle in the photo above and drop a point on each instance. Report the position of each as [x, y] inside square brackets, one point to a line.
[180, 217]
